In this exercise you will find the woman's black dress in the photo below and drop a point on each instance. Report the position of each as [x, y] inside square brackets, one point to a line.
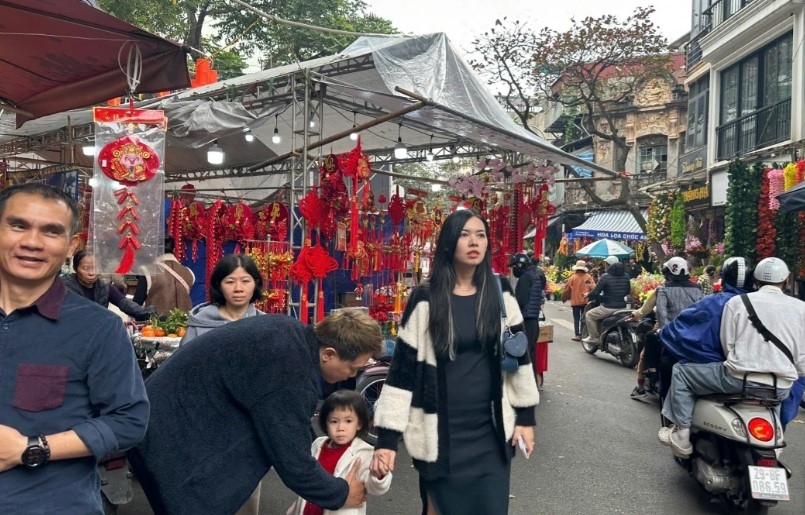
[478, 483]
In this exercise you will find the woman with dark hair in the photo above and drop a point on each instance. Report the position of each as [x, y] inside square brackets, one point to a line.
[85, 282]
[446, 374]
[235, 285]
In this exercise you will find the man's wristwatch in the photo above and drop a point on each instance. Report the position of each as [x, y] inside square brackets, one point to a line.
[37, 453]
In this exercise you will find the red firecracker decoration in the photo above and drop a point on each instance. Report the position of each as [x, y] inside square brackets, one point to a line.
[195, 226]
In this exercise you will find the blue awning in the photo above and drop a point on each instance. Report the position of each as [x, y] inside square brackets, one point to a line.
[615, 225]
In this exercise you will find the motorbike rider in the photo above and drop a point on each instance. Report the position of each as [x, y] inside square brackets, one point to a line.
[676, 294]
[614, 286]
[694, 335]
[530, 295]
[750, 358]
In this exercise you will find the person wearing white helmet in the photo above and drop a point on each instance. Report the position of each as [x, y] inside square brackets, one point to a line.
[747, 351]
[676, 294]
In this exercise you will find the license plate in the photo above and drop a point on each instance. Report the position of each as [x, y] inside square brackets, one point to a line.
[768, 483]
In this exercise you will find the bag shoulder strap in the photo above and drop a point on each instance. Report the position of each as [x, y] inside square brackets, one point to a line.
[499, 283]
[176, 276]
[765, 333]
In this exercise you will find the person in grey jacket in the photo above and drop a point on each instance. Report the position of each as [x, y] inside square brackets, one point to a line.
[235, 285]
[85, 282]
[614, 286]
[673, 297]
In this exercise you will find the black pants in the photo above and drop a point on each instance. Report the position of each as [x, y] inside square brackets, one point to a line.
[531, 326]
[578, 319]
[653, 348]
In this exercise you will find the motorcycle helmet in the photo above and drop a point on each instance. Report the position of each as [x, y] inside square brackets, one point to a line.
[676, 266]
[611, 260]
[518, 260]
[771, 270]
[737, 272]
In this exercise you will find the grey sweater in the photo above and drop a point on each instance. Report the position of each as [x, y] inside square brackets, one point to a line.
[227, 409]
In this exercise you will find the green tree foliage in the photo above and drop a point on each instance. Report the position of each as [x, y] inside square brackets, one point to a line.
[244, 33]
[741, 214]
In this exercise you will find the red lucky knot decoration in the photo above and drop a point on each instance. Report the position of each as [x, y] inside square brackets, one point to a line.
[129, 161]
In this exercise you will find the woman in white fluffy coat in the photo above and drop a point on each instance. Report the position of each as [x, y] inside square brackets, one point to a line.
[446, 375]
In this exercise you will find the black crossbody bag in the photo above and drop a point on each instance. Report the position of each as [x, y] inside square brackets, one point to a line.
[512, 345]
[765, 333]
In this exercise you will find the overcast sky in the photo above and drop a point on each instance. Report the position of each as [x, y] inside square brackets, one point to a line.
[462, 20]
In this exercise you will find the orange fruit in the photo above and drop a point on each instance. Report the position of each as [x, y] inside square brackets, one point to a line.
[159, 332]
[147, 332]
[181, 332]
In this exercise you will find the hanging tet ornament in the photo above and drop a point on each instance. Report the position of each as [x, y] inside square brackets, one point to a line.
[129, 161]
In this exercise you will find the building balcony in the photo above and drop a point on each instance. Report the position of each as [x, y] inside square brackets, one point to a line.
[756, 130]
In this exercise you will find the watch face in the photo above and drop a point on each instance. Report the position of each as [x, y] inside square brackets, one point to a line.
[34, 456]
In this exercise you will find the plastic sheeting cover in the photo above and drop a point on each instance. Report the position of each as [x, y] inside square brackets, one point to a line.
[430, 66]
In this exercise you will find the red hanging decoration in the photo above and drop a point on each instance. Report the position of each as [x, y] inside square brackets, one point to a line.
[129, 161]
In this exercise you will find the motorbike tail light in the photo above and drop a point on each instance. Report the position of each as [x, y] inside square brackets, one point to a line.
[761, 429]
[766, 462]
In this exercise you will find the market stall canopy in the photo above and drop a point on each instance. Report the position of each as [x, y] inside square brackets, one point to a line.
[57, 55]
[458, 117]
[793, 199]
[615, 225]
[605, 248]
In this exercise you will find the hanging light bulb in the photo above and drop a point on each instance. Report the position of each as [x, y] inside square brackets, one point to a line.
[248, 136]
[88, 148]
[400, 150]
[354, 134]
[215, 155]
[276, 138]
[429, 155]
[312, 117]
[456, 159]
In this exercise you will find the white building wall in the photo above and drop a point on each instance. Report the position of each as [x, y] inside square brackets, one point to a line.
[746, 32]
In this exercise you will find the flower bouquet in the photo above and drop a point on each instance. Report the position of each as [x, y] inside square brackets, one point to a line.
[644, 285]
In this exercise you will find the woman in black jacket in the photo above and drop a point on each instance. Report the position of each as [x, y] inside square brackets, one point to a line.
[85, 282]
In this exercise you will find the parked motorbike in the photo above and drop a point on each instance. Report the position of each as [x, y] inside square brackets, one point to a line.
[113, 469]
[734, 440]
[115, 482]
[618, 336]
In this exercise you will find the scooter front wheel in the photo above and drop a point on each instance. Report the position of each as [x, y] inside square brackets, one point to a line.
[629, 354]
[588, 347]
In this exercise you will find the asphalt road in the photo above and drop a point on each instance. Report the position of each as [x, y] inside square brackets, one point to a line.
[596, 450]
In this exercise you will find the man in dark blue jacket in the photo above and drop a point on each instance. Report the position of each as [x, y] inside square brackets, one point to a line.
[530, 295]
[238, 402]
[614, 286]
